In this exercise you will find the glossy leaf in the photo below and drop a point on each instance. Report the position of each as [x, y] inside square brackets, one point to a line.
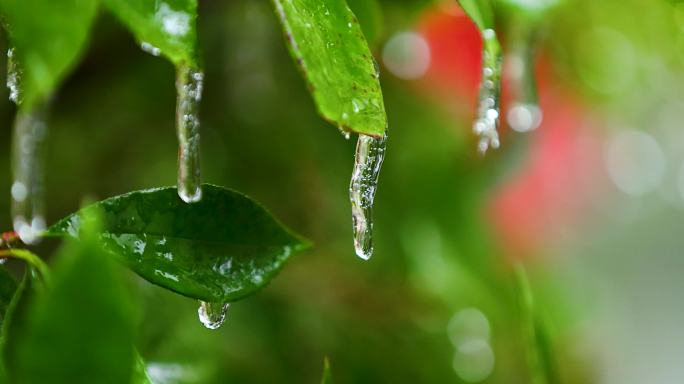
[49, 37]
[480, 11]
[165, 27]
[81, 329]
[220, 249]
[327, 43]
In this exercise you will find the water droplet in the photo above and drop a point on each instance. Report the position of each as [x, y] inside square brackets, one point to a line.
[487, 121]
[212, 315]
[407, 55]
[370, 153]
[189, 84]
[149, 48]
[524, 117]
[27, 165]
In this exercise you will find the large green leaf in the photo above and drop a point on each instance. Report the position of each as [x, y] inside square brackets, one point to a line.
[480, 11]
[327, 43]
[49, 37]
[165, 27]
[221, 249]
[82, 329]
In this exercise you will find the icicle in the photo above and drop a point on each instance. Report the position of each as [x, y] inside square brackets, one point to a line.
[189, 87]
[27, 188]
[212, 315]
[28, 210]
[524, 114]
[370, 153]
[487, 120]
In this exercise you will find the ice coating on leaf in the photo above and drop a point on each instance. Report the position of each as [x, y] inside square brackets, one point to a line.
[370, 153]
[189, 83]
[212, 315]
[13, 76]
[487, 120]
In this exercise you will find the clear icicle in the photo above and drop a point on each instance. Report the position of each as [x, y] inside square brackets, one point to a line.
[28, 207]
[487, 121]
[27, 188]
[212, 315]
[370, 153]
[189, 87]
[524, 114]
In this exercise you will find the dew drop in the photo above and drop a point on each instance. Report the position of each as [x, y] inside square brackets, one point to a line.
[487, 121]
[149, 48]
[212, 315]
[370, 153]
[189, 87]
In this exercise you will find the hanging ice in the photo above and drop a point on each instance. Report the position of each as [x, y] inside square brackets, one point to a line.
[28, 210]
[370, 153]
[487, 120]
[189, 88]
[524, 115]
[212, 315]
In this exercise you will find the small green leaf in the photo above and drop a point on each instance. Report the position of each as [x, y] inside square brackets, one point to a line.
[221, 249]
[49, 37]
[168, 25]
[80, 330]
[327, 375]
[139, 370]
[8, 286]
[480, 11]
[327, 44]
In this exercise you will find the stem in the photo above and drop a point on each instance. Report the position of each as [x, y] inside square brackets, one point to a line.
[30, 258]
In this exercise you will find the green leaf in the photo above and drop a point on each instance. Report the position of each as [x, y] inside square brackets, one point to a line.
[327, 375]
[16, 316]
[538, 345]
[221, 249]
[82, 329]
[370, 17]
[8, 286]
[139, 370]
[49, 37]
[327, 43]
[169, 26]
[480, 11]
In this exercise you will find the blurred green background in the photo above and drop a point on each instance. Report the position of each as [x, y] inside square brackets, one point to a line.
[591, 203]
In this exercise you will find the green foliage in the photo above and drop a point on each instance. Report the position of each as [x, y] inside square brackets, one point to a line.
[80, 330]
[169, 26]
[49, 37]
[326, 42]
[221, 249]
[327, 374]
[480, 11]
[7, 288]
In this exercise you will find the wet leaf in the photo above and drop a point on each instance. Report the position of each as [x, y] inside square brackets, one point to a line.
[47, 47]
[326, 42]
[165, 27]
[81, 329]
[480, 11]
[220, 249]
